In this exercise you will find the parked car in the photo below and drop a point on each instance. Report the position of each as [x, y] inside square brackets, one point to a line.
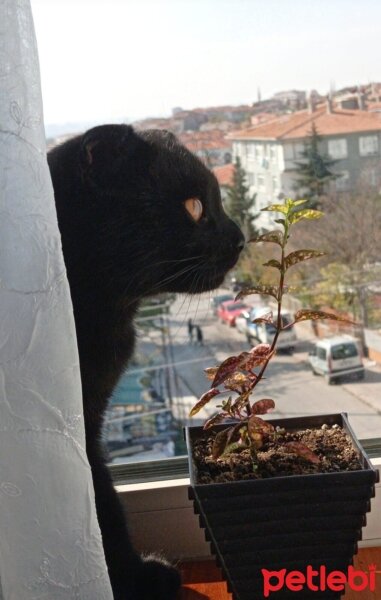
[242, 321]
[217, 300]
[336, 358]
[228, 311]
[264, 332]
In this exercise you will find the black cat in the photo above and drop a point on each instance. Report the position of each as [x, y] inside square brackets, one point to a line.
[138, 214]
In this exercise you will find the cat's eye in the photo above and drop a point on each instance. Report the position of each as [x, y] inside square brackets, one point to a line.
[194, 207]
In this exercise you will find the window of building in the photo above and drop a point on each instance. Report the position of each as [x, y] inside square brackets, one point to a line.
[251, 151]
[273, 153]
[338, 148]
[275, 183]
[368, 145]
[261, 182]
[258, 152]
[250, 178]
[288, 151]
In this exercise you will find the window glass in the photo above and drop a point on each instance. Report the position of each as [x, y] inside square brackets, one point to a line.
[337, 148]
[344, 351]
[321, 353]
[187, 93]
[368, 145]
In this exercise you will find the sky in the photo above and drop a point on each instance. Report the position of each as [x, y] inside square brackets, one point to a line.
[115, 60]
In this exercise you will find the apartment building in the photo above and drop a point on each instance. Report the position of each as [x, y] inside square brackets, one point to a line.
[269, 151]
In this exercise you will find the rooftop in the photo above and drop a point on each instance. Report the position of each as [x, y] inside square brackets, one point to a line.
[224, 174]
[298, 125]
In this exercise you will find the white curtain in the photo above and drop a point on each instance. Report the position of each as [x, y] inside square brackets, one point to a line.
[50, 543]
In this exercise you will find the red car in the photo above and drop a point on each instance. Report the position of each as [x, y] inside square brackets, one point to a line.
[228, 311]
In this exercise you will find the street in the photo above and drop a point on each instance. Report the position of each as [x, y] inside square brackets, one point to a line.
[289, 380]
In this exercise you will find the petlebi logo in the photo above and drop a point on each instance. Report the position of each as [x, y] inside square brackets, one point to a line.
[318, 580]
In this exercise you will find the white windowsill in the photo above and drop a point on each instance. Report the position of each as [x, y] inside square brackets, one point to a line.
[161, 519]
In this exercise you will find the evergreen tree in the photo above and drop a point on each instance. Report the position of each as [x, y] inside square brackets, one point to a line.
[239, 203]
[314, 172]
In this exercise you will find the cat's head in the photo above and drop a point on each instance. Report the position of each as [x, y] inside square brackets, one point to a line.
[158, 210]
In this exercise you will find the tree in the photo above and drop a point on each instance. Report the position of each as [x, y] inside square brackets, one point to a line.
[314, 172]
[349, 232]
[239, 203]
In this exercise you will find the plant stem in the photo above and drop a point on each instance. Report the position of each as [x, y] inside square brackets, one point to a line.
[279, 310]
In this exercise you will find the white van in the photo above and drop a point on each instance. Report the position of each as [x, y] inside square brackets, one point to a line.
[337, 357]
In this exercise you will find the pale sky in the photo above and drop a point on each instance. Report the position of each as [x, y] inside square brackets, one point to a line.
[116, 59]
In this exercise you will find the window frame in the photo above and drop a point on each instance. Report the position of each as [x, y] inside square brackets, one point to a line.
[362, 142]
[334, 154]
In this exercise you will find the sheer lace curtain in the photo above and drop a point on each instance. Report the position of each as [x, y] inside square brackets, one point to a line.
[50, 543]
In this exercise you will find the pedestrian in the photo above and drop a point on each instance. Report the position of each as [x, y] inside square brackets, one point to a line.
[190, 330]
[200, 337]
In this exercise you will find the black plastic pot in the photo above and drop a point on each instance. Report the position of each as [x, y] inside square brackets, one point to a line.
[284, 522]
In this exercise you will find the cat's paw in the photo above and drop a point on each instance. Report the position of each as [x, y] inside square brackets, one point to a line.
[159, 579]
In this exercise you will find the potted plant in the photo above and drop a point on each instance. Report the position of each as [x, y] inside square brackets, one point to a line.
[282, 501]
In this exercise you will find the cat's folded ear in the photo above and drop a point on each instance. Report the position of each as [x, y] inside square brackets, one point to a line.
[110, 153]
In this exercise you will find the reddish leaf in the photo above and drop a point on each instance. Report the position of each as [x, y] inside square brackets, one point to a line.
[273, 263]
[228, 366]
[236, 381]
[220, 442]
[271, 236]
[258, 429]
[217, 418]
[303, 451]
[256, 424]
[266, 318]
[234, 433]
[306, 314]
[205, 398]
[261, 407]
[257, 356]
[301, 255]
[270, 290]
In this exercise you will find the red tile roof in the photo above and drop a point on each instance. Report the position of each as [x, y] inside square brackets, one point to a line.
[298, 124]
[224, 174]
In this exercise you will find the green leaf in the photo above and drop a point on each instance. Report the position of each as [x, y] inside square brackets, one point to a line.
[271, 236]
[282, 208]
[280, 221]
[306, 213]
[297, 202]
[300, 255]
[270, 290]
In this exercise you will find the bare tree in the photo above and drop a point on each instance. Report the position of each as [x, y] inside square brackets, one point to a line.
[350, 234]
